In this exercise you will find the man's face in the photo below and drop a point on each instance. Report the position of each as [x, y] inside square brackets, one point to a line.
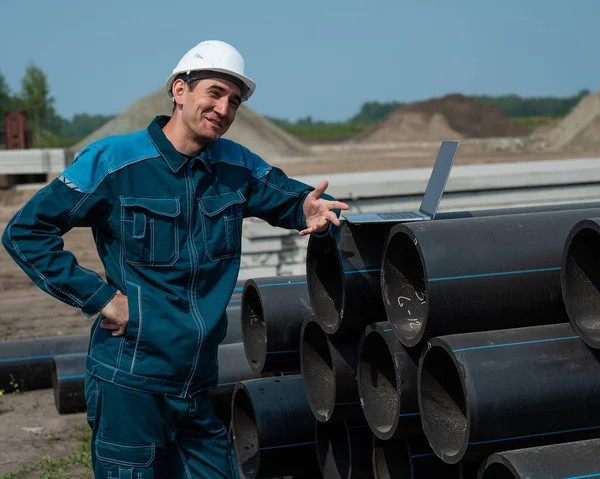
[209, 109]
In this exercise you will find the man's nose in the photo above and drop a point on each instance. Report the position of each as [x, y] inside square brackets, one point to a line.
[222, 106]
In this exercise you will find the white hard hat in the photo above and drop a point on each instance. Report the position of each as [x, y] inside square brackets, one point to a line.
[215, 56]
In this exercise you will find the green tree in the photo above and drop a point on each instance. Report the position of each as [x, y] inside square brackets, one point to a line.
[36, 100]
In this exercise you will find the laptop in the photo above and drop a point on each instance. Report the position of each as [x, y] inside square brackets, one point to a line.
[431, 198]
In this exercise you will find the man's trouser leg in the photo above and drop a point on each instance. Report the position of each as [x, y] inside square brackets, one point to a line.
[138, 435]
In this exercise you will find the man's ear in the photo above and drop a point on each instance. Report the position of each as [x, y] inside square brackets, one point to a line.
[178, 89]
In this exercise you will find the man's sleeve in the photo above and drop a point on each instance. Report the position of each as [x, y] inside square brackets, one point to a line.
[275, 197]
[33, 237]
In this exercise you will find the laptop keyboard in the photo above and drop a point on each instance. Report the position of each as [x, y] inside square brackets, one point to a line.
[401, 215]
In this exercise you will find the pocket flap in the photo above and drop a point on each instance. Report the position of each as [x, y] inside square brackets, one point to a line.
[125, 455]
[212, 205]
[159, 206]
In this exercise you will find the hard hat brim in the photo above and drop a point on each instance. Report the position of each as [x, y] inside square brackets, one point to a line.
[250, 85]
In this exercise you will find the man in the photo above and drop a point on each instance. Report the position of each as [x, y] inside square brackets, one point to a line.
[166, 206]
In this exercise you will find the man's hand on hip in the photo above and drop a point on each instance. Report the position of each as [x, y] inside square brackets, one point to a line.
[116, 315]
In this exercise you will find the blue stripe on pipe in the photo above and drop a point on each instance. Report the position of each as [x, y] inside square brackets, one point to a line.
[363, 271]
[500, 273]
[357, 427]
[235, 301]
[534, 435]
[238, 289]
[583, 477]
[519, 343]
[287, 445]
[281, 352]
[44, 356]
[281, 284]
[410, 414]
[387, 330]
[346, 403]
[428, 454]
[74, 376]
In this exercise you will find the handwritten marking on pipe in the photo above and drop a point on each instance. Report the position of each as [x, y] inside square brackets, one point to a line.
[519, 343]
[287, 445]
[534, 435]
[500, 273]
[400, 302]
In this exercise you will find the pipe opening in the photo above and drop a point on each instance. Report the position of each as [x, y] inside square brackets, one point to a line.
[325, 281]
[497, 470]
[254, 328]
[245, 432]
[377, 383]
[403, 287]
[333, 449]
[443, 404]
[391, 460]
[317, 371]
[582, 282]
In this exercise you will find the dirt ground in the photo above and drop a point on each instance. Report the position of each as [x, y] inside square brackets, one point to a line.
[30, 427]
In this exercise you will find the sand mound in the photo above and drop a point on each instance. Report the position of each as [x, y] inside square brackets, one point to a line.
[449, 118]
[580, 129]
[250, 129]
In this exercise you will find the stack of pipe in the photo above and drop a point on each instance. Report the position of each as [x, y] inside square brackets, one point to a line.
[272, 426]
[451, 339]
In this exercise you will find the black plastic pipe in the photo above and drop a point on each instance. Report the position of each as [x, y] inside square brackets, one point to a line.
[343, 276]
[343, 451]
[409, 459]
[580, 280]
[328, 366]
[233, 368]
[475, 274]
[273, 310]
[572, 460]
[26, 364]
[273, 429]
[387, 383]
[485, 392]
[68, 377]
[234, 323]
[343, 269]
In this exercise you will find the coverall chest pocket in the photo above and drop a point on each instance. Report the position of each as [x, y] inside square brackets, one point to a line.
[222, 217]
[149, 230]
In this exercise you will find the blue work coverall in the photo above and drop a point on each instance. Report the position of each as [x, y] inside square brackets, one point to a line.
[168, 231]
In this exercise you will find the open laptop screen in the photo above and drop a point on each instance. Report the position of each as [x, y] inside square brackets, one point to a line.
[439, 177]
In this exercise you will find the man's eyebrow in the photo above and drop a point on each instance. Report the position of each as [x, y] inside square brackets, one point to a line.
[223, 90]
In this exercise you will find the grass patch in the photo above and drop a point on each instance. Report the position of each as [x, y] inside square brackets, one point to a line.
[58, 468]
[535, 121]
[325, 131]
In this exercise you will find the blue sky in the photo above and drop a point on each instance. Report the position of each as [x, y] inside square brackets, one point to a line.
[320, 58]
